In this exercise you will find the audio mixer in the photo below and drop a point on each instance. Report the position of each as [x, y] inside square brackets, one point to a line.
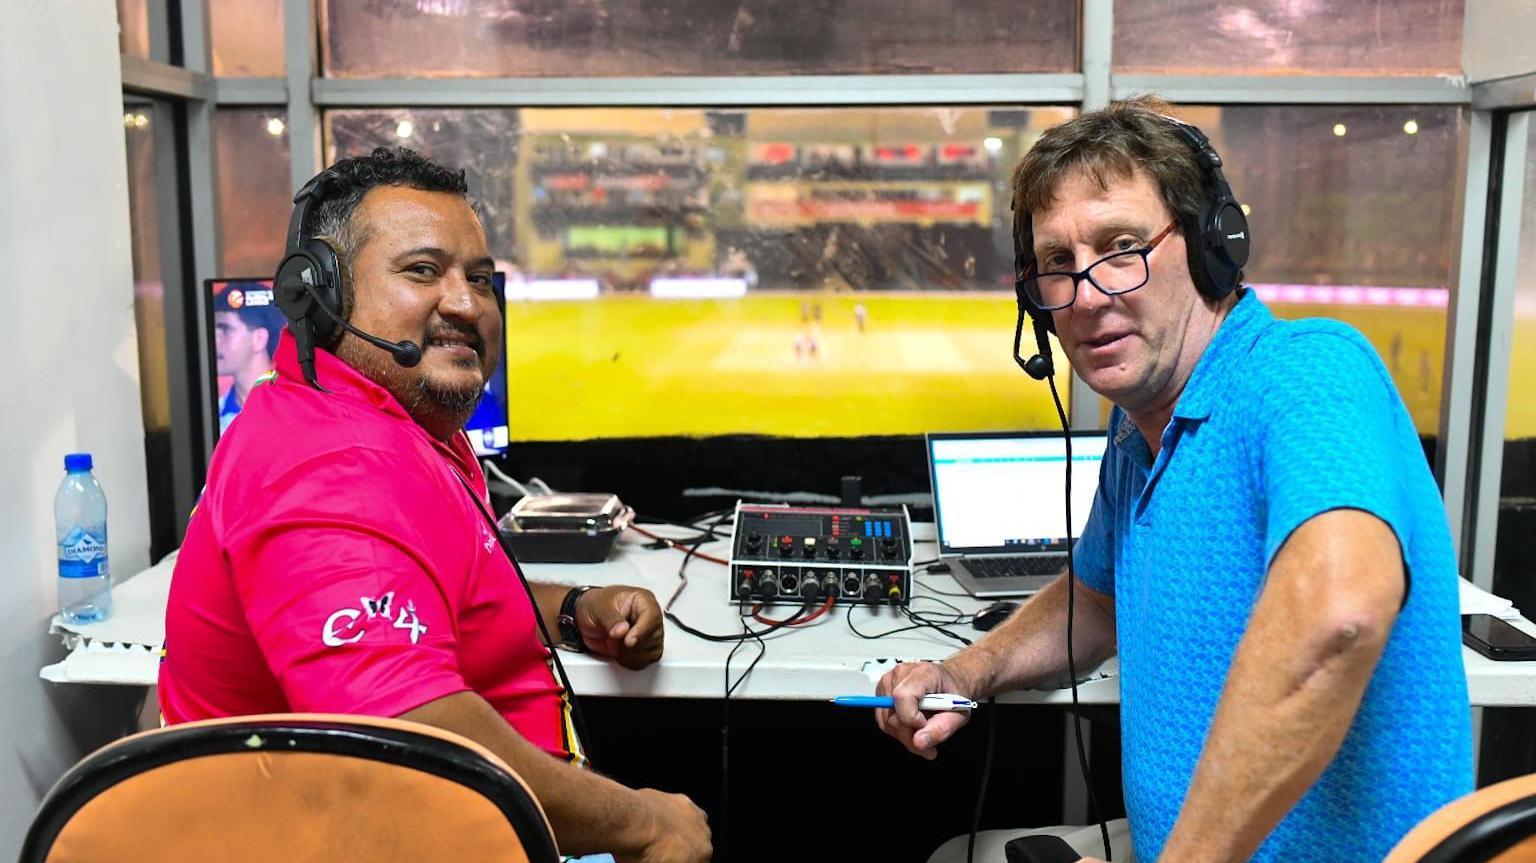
[794, 554]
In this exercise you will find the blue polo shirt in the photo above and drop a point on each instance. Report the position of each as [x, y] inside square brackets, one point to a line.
[1279, 422]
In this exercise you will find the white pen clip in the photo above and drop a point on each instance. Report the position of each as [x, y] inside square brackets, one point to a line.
[945, 701]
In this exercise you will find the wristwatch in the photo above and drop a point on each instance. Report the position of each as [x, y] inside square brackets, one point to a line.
[570, 633]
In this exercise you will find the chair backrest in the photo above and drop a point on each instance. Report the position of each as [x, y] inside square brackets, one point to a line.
[291, 787]
[1496, 824]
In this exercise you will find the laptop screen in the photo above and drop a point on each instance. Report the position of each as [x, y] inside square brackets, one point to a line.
[1001, 493]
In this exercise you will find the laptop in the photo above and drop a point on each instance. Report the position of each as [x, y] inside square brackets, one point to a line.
[998, 502]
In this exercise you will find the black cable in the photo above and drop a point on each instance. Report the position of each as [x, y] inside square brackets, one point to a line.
[1077, 724]
[930, 588]
[747, 631]
[986, 776]
[725, 722]
[916, 624]
[565, 680]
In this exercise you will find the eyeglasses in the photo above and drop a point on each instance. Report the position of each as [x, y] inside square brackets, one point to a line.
[1115, 274]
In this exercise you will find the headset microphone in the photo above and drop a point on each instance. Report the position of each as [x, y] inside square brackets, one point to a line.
[406, 353]
[1040, 366]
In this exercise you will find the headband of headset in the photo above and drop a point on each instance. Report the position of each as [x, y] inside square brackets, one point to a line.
[308, 284]
[1217, 239]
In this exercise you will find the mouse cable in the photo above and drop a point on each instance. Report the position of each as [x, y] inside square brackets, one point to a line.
[1077, 723]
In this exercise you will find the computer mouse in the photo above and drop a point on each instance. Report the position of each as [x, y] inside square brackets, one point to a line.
[993, 614]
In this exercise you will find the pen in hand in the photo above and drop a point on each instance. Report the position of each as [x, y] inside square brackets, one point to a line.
[939, 702]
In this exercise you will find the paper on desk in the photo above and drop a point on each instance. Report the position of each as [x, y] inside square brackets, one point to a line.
[101, 662]
[1475, 600]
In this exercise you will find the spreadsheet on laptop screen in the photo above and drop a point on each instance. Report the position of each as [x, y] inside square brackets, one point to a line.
[998, 492]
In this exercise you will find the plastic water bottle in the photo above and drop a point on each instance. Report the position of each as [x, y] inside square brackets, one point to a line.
[80, 520]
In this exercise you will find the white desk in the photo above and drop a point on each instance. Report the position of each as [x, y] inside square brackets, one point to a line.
[812, 662]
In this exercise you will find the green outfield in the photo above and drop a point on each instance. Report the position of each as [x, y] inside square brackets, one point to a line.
[626, 366]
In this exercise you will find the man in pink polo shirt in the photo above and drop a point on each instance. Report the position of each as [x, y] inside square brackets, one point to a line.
[338, 560]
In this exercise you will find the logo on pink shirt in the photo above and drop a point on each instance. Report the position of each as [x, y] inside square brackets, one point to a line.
[349, 625]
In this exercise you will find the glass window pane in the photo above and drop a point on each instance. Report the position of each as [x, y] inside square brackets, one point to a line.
[148, 283]
[1520, 422]
[254, 184]
[839, 272]
[133, 28]
[1318, 37]
[695, 37]
[247, 37]
[1352, 211]
[1514, 557]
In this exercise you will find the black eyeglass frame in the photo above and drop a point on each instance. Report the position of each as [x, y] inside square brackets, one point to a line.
[1030, 285]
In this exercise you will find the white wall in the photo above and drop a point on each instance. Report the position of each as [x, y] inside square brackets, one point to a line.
[1499, 40]
[68, 366]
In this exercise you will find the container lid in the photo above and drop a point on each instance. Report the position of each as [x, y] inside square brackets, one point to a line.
[77, 461]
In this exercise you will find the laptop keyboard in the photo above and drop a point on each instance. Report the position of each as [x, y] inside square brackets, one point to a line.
[1013, 567]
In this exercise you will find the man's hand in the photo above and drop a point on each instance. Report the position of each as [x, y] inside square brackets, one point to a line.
[621, 623]
[908, 682]
[678, 830]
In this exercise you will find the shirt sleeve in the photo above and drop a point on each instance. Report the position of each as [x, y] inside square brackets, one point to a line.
[1093, 555]
[338, 586]
[1333, 435]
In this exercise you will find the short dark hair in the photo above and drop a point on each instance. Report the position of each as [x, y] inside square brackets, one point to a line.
[352, 178]
[263, 318]
[1107, 144]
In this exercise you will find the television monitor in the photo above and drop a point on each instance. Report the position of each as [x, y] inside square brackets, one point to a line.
[243, 327]
[488, 427]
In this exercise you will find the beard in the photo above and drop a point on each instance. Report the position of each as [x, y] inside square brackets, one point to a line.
[454, 405]
[435, 405]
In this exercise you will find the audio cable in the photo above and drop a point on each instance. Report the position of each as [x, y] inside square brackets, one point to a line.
[582, 736]
[1077, 723]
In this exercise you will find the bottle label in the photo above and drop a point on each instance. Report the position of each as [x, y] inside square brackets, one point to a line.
[82, 554]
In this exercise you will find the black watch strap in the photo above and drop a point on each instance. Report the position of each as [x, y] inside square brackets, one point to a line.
[570, 633]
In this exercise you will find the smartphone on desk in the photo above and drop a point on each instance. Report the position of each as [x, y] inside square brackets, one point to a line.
[1495, 638]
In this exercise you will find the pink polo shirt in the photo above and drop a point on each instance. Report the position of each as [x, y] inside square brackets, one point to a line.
[335, 563]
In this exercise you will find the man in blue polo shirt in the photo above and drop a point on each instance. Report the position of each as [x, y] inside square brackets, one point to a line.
[1267, 551]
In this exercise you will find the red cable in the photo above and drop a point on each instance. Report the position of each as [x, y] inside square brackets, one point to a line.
[801, 622]
[670, 544]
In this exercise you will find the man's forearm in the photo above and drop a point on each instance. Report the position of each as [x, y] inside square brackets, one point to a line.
[1296, 681]
[1030, 648]
[589, 813]
[549, 597]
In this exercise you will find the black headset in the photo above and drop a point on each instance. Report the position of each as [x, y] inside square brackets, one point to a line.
[1217, 241]
[310, 283]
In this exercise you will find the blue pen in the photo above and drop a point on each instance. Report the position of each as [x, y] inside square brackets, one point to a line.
[942, 701]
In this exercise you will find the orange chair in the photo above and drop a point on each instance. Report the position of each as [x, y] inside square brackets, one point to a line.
[1496, 824]
[307, 788]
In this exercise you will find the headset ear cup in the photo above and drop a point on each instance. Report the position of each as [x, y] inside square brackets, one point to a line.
[1195, 254]
[1227, 245]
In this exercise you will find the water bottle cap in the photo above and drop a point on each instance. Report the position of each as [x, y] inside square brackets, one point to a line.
[77, 461]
